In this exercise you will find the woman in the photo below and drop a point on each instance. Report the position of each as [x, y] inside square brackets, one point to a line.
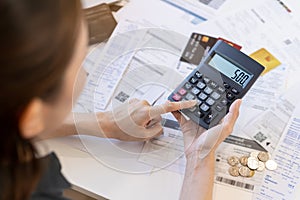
[42, 46]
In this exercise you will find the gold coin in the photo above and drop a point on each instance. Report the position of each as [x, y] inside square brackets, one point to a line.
[244, 160]
[234, 171]
[233, 160]
[244, 171]
[263, 156]
[254, 154]
[251, 173]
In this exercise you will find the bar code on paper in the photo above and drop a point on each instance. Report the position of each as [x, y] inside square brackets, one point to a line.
[235, 183]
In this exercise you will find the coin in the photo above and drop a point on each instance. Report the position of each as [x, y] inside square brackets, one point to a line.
[233, 160]
[254, 154]
[244, 171]
[252, 163]
[244, 160]
[271, 165]
[234, 171]
[263, 156]
[251, 173]
[261, 166]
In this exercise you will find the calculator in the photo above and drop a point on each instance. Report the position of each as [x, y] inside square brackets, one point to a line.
[224, 75]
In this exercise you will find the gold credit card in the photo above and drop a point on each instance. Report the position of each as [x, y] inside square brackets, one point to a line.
[266, 59]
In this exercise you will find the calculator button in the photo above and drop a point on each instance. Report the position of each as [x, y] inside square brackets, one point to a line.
[234, 91]
[224, 102]
[192, 109]
[187, 54]
[210, 101]
[210, 117]
[219, 107]
[182, 92]
[187, 86]
[230, 96]
[208, 90]
[198, 102]
[204, 107]
[215, 95]
[201, 85]
[193, 80]
[198, 75]
[194, 49]
[192, 42]
[199, 114]
[213, 84]
[226, 85]
[202, 96]
[195, 90]
[206, 80]
[221, 90]
[176, 97]
[189, 96]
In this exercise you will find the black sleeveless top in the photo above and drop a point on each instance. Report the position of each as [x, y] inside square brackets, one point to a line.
[52, 183]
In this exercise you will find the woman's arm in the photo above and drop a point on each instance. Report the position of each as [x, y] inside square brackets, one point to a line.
[199, 177]
[136, 120]
[200, 147]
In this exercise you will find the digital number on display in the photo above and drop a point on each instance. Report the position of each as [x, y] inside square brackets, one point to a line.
[230, 70]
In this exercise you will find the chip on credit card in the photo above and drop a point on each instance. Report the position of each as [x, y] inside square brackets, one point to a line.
[198, 46]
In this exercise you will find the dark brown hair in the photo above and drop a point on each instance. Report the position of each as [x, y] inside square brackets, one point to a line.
[37, 39]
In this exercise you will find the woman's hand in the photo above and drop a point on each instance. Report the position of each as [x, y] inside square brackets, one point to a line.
[138, 120]
[202, 141]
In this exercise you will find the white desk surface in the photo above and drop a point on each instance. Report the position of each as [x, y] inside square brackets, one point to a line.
[92, 178]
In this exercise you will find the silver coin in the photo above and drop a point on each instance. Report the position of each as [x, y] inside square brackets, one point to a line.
[244, 171]
[263, 156]
[254, 154]
[271, 165]
[261, 166]
[244, 160]
[233, 160]
[234, 171]
[252, 163]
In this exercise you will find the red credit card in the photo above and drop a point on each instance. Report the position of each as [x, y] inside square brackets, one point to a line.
[238, 47]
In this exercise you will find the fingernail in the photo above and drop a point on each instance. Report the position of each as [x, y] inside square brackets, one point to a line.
[194, 102]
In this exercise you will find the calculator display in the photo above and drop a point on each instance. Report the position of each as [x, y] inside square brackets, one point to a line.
[230, 70]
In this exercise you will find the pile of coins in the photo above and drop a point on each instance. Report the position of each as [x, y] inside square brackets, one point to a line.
[246, 166]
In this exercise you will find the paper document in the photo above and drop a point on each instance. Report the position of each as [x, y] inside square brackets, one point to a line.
[267, 127]
[132, 50]
[202, 9]
[157, 13]
[283, 183]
